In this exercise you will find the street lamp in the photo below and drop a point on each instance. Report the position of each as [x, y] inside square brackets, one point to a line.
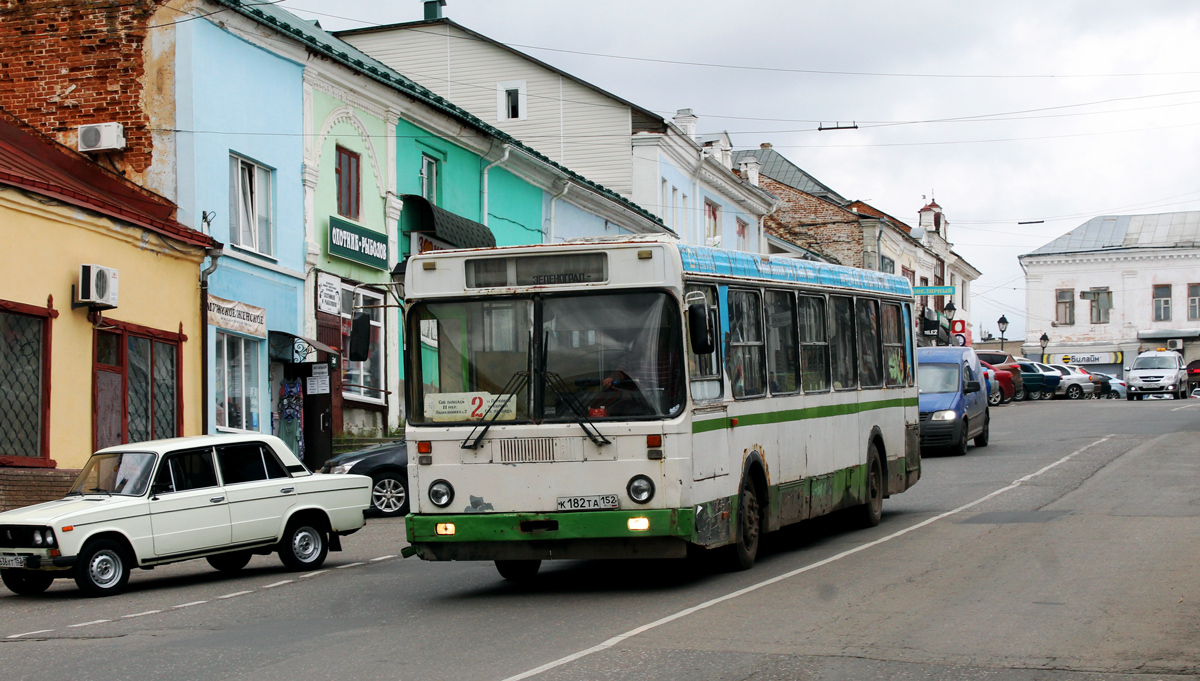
[1045, 340]
[949, 311]
[1002, 324]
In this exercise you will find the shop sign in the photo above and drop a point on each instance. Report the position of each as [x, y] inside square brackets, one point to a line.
[352, 242]
[1086, 358]
[423, 243]
[237, 317]
[329, 293]
[933, 290]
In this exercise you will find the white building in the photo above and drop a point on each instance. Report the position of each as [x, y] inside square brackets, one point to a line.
[1115, 286]
[658, 164]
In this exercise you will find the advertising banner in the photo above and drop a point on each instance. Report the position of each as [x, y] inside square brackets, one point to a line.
[237, 317]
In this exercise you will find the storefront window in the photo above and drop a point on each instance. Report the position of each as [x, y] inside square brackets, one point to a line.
[363, 380]
[237, 382]
[136, 383]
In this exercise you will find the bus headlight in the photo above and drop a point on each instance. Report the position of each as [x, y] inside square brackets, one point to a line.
[441, 493]
[944, 415]
[640, 489]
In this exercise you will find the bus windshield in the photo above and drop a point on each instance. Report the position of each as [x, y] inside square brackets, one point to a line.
[606, 356]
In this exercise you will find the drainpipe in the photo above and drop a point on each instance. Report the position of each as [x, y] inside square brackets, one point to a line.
[554, 200]
[502, 159]
[215, 254]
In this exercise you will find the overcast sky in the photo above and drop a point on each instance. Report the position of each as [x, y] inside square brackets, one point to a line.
[1099, 142]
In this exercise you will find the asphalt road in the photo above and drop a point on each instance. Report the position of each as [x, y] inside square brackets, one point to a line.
[1067, 549]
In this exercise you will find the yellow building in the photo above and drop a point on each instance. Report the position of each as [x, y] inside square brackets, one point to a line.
[121, 365]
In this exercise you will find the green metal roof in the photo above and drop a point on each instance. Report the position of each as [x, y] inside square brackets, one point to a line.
[327, 44]
[777, 167]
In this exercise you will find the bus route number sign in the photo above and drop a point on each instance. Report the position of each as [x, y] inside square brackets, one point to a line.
[593, 503]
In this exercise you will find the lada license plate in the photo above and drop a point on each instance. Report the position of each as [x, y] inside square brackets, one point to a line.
[16, 561]
[600, 501]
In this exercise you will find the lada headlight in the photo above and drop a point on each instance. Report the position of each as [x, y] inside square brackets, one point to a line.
[48, 534]
[37, 538]
[944, 415]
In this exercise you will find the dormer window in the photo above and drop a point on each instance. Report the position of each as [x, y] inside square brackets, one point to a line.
[511, 103]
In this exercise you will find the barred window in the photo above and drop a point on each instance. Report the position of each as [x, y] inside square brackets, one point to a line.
[22, 385]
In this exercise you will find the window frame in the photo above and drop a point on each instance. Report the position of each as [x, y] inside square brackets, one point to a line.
[47, 315]
[1193, 302]
[352, 193]
[829, 330]
[429, 162]
[714, 211]
[822, 343]
[761, 343]
[264, 451]
[1064, 316]
[347, 319]
[502, 109]
[797, 373]
[164, 462]
[125, 330]
[217, 388]
[1098, 314]
[872, 303]
[237, 203]
[900, 345]
[1162, 311]
[743, 235]
[713, 358]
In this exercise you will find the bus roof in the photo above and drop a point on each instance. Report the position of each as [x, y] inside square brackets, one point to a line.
[721, 262]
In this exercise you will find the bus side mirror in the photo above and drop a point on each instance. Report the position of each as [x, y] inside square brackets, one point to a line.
[700, 333]
[360, 337]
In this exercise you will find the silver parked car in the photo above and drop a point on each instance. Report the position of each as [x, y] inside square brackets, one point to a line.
[1075, 385]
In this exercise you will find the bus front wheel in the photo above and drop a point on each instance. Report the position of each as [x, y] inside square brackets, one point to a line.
[518, 570]
[870, 513]
[745, 549]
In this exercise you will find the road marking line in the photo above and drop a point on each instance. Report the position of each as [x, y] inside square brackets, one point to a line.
[31, 633]
[787, 575]
[235, 594]
[272, 586]
[312, 574]
[376, 560]
[348, 565]
[1186, 406]
[87, 624]
[141, 614]
[188, 605]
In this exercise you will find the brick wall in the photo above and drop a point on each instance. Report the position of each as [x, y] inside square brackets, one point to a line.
[65, 63]
[814, 223]
[27, 486]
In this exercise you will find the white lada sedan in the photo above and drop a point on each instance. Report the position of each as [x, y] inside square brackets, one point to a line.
[219, 497]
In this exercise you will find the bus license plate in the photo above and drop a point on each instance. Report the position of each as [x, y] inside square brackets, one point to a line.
[12, 561]
[601, 501]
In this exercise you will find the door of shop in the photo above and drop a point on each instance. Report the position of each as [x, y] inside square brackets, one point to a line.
[317, 430]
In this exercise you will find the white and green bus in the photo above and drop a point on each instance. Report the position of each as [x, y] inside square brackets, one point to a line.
[637, 397]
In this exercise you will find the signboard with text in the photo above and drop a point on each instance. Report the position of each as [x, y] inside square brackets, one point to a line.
[329, 293]
[1086, 358]
[933, 290]
[232, 315]
[352, 242]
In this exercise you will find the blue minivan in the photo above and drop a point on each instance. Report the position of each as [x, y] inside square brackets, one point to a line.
[953, 402]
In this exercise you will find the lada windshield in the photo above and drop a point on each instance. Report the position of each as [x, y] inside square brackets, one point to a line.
[596, 356]
[123, 473]
[938, 378]
[1154, 362]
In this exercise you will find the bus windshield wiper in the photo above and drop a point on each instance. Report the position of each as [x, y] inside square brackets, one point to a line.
[559, 387]
[509, 391]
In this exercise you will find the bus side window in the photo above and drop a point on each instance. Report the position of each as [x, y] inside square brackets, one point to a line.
[814, 344]
[895, 359]
[705, 370]
[909, 327]
[783, 362]
[746, 370]
[841, 342]
[870, 360]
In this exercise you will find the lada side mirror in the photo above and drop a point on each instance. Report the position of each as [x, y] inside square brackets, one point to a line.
[699, 330]
[159, 488]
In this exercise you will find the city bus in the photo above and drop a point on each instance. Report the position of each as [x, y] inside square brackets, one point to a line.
[636, 397]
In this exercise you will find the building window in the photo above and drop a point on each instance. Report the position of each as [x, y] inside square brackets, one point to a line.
[1064, 308]
[250, 205]
[939, 279]
[24, 355]
[675, 209]
[908, 274]
[510, 101]
[924, 299]
[1162, 303]
[363, 380]
[743, 235]
[1101, 304]
[712, 230]
[429, 178]
[237, 382]
[666, 202]
[136, 383]
[886, 264]
[1193, 302]
[348, 173]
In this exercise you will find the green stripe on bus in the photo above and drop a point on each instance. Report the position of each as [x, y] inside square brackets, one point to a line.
[785, 415]
[664, 522]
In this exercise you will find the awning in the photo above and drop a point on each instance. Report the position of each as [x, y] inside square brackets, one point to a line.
[1162, 334]
[287, 347]
[446, 226]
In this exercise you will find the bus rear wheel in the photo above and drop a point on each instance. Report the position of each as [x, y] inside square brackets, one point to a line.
[518, 570]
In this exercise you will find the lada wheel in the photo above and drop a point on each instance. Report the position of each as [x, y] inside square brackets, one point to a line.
[518, 570]
[103, 568]
[230, 562]
[26, 582]
[1074, 392]
[871, 512]
[303, 547]
[389, 495]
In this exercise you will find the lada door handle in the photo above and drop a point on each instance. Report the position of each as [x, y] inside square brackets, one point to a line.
[287, 490]
[217, 500]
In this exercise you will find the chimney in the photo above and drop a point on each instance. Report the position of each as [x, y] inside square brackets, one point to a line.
[433, 9]
[749, 168]
[765, 145]
[686, 121]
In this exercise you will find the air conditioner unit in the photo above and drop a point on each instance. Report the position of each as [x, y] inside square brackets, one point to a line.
[1175, 344]
[101, 137]
[97, 287]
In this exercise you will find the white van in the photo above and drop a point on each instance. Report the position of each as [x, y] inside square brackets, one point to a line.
[1157, 372]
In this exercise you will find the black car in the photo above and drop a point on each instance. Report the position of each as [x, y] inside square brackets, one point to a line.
[387, 464]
